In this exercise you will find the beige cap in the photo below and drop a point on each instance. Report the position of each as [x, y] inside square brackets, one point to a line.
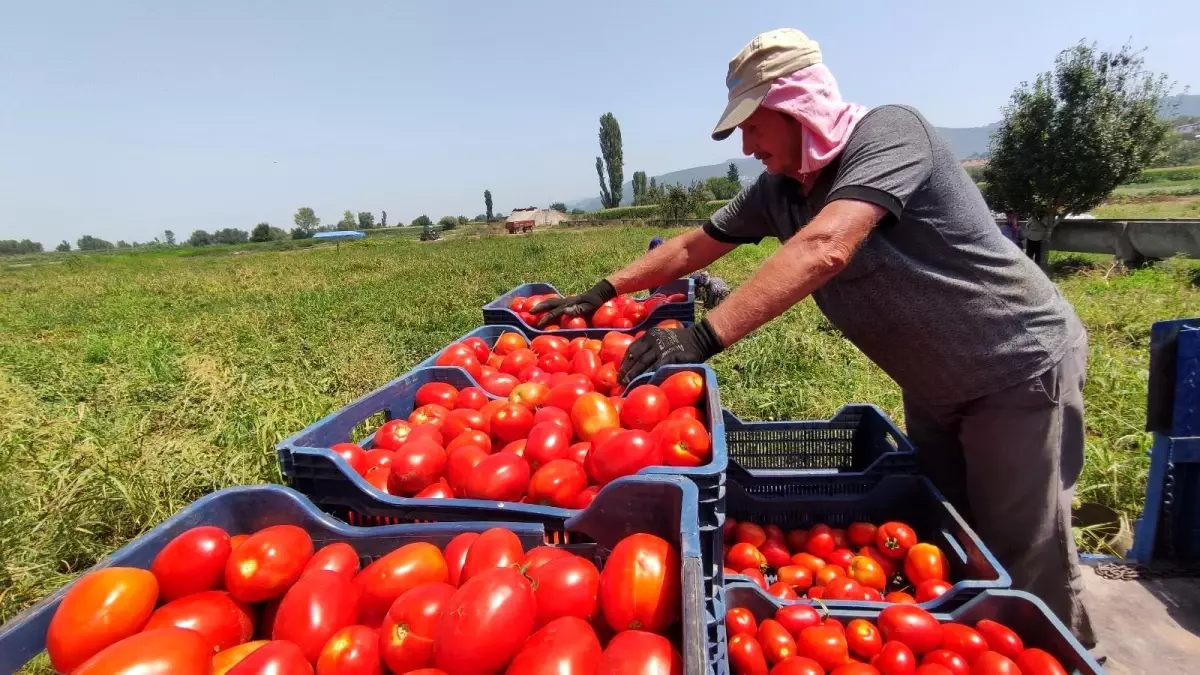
[768, 56]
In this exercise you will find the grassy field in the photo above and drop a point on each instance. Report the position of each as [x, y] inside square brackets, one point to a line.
[1157, 207]
[134, 383]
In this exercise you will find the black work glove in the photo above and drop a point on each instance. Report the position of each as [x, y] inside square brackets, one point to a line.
[664, 346]
[583, 305]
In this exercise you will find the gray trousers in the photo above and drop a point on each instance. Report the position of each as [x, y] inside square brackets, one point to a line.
[1008, 462]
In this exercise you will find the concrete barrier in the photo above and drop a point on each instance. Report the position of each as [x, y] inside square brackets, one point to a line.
[1133, 241]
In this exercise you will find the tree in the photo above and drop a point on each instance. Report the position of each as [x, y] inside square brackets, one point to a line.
[198, 238]
[613, 162]
[733, 175]
[170, 237]
[639, 188]
[301, 233]
[63, 247]
[14, 247]
[89, 243]
[366, 220]
[230, 235]
[383, 219]
[481, 218]
[348, 222]
[1071, 138]
[422, 221]
[678, 203]
[122, 244]
[722, 187]
[487, 202]
[463, 220]
[264, 232]
[559, 206]
[447, 223]
[306, 221]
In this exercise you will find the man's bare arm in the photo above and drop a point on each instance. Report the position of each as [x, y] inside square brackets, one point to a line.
[816, 254]
[672, 260]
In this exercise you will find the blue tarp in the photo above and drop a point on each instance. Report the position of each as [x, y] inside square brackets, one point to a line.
[341, 234]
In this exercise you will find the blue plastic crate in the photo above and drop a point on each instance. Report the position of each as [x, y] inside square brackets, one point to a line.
[1024, 613]
[497, 312]
[859, 439]
[308, 465]
[801, 502]
[490, 334]
[659, 505]
[1169, 528]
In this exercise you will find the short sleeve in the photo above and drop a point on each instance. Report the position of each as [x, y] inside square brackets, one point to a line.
[744, 219]
[889, 157]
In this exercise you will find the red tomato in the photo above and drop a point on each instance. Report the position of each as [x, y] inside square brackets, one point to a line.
[592, 412]
[812, 562]
[951, 661]
[911, 625]
[518, 360]
[683, 389]
[1000, 638]
[796, 540]
[416, 465]
[586, 363]
[499, 477]
[557, 484]
[1034, 661]
[477, 345]
[101, 608]
[931, 589]
[899, 598]
[829, 573]
[799, 578]
[842, 557]
[493, 613]
[554, 364]
[377, 477]
[867, 572]
[893, 539]
[854, 668]
[547, 441]
[824, 644]
[819, 542]
[564, 646]
[740, 621]
[439, 490]
[685, 442]
[742, 555]
[496, 547]
[314, 609]
[354, 650]
[933, 669]
[511, 422]
[461, 356]
[440, 393]
[895, 659]
[177, 651]
[607, 383]
[268, 563]
[604, 316]
[384, 580]
[192, 562]
[782, 591]
[462, 420]
[624, 454]
[223, 622]
[565, 586]
[353, 455]
[479, 439]
[636, 652]
[556, 415]
[579, 452]
[223, 661]
[456, 555]
[390, 435]
[406, 637]
[776, 554]
[797, 665]
[888, 565]
[460, 463]
[796, 618]
[378, 458]
[584, 499]
[840, 540]
[575, 323]
[640, 586]
[274, 658]
[843, 588]
[614, 346]
[777, 644]
[757, 577]
[549, 344]
[563, 396]
[471, 398]
[509, 342]
[645, 406]
[429, 414]
[994, 663]
[500, 384]
[861, 534]
[863, 638]
[925, 561]
[536, 557]
[426, 432]
[746, 656]
[685, 413]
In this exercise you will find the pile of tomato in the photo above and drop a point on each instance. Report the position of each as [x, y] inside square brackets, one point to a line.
[553, 444]
[862, 562]
[269, 604]
[903, 640]
[623, 311]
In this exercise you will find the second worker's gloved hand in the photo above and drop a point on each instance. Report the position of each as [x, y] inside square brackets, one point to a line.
[664, 346]
[583, 305]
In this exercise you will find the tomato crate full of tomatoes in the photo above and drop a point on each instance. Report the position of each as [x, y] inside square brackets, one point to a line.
[674, 300]
[856, 543]
[531, 451]
[998, 632]
[256, 580]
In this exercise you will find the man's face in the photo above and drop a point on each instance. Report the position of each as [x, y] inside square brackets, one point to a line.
[775, 139]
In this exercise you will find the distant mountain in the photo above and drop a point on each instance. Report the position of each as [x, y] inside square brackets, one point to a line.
[968, 143]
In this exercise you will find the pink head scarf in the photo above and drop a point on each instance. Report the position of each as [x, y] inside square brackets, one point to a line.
[810, 96]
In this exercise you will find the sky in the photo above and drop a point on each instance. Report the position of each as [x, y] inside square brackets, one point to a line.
[123, 119]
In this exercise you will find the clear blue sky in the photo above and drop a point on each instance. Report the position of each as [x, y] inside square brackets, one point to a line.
[122, 119]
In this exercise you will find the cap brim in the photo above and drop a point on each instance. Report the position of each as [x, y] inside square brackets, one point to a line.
[739, 110]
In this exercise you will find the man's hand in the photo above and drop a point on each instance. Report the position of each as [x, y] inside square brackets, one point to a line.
[663, 346]
[584, 304]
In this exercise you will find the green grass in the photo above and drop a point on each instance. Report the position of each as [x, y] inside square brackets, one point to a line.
[1171, 208]
[1181, 187]
[134, 383]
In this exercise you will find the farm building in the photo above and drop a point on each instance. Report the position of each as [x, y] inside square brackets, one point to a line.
[524, 220]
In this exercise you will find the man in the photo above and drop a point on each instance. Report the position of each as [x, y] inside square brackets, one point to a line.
[887, 232]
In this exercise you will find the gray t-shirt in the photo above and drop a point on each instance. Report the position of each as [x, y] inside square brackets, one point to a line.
[937, 296]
